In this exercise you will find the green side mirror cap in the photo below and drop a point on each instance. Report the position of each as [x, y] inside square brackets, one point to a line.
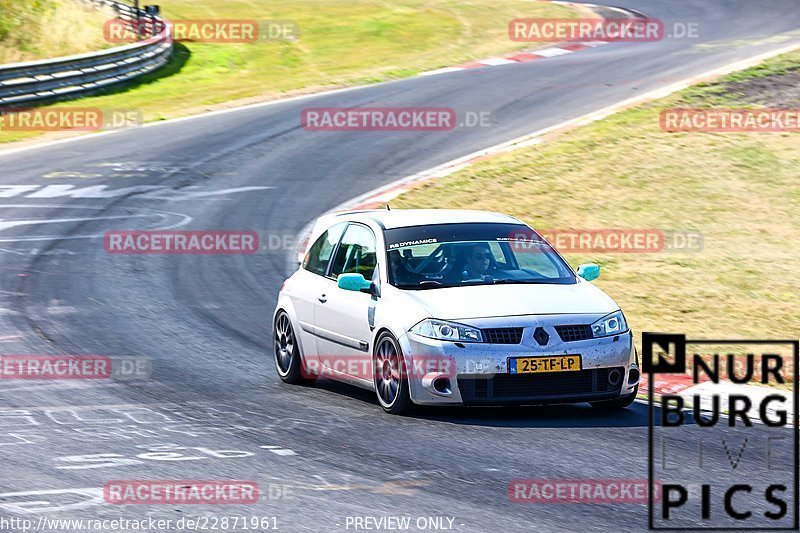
[589, 271]
[353, 282]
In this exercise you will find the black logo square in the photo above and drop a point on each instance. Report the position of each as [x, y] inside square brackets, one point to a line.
[672, 345]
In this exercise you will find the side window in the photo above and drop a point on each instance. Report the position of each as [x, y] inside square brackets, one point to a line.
[356, 253]
[319, 255]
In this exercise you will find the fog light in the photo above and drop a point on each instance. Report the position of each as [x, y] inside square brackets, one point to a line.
[633, 375]
[442, 385]
[614, 377]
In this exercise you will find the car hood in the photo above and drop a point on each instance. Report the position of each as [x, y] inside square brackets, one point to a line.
[481, 301]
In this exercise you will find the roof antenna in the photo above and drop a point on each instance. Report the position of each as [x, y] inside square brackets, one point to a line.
[388, 208]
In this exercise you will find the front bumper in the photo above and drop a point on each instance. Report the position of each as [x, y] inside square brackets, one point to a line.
[448, 373]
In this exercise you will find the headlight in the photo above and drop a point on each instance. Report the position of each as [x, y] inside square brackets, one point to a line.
[612, 324]
[447, 331]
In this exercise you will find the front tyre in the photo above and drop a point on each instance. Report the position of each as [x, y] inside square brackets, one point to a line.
[390, 376]
[617, 403]
[287, 354]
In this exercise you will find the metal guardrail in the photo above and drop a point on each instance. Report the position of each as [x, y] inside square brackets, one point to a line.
[63, 77]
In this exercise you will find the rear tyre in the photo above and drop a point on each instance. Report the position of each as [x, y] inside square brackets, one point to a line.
[390, 376]
[287, 354]
[617, 403]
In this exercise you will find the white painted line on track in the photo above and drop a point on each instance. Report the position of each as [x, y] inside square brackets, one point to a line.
[494, 61]
[443, 70]
[551, 52]
[279, 450]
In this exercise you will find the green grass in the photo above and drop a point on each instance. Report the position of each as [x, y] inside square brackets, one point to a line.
[342, 42]
[37, 29]
[741, 190]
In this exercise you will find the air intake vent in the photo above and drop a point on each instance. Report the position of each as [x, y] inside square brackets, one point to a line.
[503, 335]
[584, 385]
[579, 332]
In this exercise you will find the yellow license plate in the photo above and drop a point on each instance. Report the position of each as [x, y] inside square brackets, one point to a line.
[553, 363]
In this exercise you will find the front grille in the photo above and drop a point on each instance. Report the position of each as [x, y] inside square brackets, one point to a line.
[502, 335]
[487, 388]
[576, 332]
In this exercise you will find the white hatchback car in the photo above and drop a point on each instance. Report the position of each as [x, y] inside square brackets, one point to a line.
[444, 307]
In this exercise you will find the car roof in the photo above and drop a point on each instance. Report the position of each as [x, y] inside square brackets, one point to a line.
[401, 218]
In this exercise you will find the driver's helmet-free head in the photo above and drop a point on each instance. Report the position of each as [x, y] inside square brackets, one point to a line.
[479, 260]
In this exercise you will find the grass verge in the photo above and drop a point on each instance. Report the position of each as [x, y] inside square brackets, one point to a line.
[38, 29]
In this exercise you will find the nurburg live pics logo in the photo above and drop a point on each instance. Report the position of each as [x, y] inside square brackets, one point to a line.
[737, 472]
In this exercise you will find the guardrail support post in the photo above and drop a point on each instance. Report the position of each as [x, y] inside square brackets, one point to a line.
[138, 18]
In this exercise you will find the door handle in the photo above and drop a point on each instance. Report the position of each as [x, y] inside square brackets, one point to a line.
[322, 299]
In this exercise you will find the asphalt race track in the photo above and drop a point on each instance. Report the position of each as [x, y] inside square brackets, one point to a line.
[214, 407]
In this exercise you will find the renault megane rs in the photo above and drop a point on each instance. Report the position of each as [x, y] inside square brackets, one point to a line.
[441, 307]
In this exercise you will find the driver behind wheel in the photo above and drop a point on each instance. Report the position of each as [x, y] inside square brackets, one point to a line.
[480, 262]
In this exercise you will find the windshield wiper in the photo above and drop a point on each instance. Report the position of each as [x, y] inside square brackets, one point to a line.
[525, 281]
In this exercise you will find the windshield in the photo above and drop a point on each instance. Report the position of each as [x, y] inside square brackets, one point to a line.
[453, 255]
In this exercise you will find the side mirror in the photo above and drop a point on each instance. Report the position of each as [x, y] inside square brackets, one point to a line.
[354, 282]
[589, 271]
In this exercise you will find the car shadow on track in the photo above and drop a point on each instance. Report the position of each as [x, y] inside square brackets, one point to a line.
[543, 416]
[577, 415]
